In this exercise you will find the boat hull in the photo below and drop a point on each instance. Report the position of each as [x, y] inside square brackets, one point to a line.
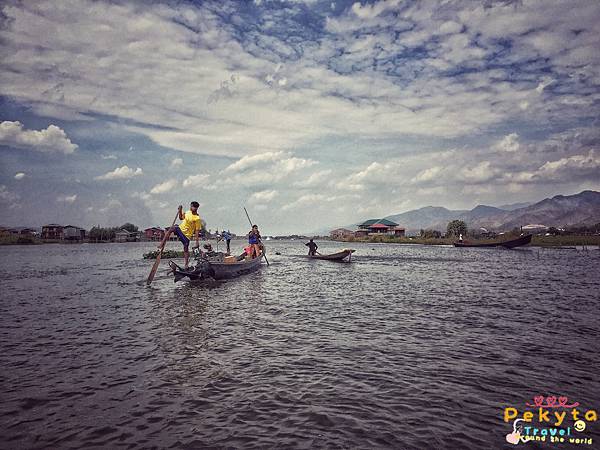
[339, 256]
[519, 242]
[216, 270]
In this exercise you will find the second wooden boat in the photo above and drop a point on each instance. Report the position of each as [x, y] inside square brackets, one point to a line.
[339, 256]
[512, 243]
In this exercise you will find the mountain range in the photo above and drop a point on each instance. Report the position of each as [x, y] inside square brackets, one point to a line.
[558, 211]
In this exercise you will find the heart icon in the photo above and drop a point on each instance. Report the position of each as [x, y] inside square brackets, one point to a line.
[562, 401]
[513, 438]
[538, 400]
[551, 401]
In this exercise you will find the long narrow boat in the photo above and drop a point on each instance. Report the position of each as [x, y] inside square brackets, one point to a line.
[518, 242]
[339, 256]
[217, 270]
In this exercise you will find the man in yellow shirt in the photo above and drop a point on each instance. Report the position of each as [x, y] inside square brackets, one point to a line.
[188, 229]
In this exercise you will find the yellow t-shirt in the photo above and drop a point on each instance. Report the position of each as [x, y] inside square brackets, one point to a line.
[190, 224]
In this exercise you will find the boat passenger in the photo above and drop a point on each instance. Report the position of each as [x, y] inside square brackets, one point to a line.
[312, 248]
[460, 239]
[254, 241]
[188, 229]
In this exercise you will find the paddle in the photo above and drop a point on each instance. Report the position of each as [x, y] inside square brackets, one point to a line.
[264, 254]
[160, 250]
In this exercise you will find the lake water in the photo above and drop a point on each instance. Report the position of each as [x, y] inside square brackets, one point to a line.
[405, 347]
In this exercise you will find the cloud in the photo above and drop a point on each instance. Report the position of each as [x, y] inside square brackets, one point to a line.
[165, 187]
[263, 196]
[509, 143]
[198, 181]
[50, 140]
[250, 161]
[315, 179]
[176, 163]
[8, 196]
[111, 156]
[572, 167]
[265, 168]
[141, 195]
[19, 175]
[479, 173]
[66, 198]
[121, 173]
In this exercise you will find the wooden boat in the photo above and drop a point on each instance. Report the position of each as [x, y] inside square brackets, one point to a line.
[518, 242]
[216, 269]
[339, 256]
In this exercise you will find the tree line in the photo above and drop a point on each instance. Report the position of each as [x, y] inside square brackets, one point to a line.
[106, 234]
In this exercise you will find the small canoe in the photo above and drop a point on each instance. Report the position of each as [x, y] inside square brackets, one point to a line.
[217, 270]
[518, 242]
[339, 256]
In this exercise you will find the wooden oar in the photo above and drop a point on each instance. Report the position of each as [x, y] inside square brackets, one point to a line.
[264, 254]
[160, 250]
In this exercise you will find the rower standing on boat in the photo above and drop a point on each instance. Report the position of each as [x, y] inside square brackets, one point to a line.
[226, 235]
[254, 240]
[188, 229]
[312, 248]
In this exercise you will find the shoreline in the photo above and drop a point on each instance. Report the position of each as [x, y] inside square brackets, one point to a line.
[537, 241]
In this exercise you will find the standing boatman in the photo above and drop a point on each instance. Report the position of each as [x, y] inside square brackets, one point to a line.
[312, 248]
[188, 229]
[226, 235]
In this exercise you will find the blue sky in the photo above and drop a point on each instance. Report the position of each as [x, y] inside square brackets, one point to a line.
[311, 114]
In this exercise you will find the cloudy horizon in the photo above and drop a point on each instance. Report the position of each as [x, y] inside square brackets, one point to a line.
[311, 114]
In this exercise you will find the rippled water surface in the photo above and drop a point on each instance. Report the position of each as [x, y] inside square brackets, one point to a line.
[405, 347]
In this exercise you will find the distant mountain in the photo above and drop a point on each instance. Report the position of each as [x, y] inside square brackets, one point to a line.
[427, 217]
[578, 209]
[514, 206]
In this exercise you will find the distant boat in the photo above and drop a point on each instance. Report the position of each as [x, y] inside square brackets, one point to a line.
[339, 256]
[512, 243]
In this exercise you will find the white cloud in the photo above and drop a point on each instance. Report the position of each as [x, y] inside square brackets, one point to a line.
[176, 162]
[265, 168]
[479, 173]
[198, 181]
[314, 179]
[249, 161]
[141, 195]
[66, 198]
[121, 173]
[19, 176]
[165, 187]
[111, 156]
[509, 143]
[428, 174]
[263, 196]
[8, 196]
[52, 139]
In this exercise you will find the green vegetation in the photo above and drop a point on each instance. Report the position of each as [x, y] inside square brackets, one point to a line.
[108, 234]
[456, 228]
[565, 240]
[14, 239]
[165, 254]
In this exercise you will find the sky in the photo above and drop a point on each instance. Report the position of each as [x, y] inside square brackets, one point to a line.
[311, 114]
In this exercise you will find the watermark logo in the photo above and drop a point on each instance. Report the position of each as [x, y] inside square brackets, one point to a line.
[550, 419]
